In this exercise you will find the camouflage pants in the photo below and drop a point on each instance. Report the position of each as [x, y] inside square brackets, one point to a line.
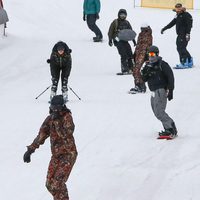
[139, 61]
[58, 173]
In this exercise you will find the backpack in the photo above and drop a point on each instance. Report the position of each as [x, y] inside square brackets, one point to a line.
[124, 34]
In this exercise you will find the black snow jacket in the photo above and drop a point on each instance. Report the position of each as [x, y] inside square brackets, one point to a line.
[158, 75]
[183, 22]
[117, 25]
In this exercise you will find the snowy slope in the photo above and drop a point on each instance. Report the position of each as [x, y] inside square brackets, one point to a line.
[119, 156]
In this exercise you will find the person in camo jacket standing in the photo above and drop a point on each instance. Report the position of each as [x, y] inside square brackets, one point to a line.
[140, 55]
[59, 127]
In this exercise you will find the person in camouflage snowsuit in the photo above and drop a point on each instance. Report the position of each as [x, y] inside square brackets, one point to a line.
[144, 41]
[59, 127]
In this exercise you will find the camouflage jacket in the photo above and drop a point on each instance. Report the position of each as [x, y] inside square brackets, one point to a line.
[144, 41]
[60, 132]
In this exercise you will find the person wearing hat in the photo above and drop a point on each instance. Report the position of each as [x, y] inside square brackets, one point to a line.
[59, 126]
[144, 41]
[123, 47]
[60, 65]
[183, 22]
[91, 9]
[159, 76]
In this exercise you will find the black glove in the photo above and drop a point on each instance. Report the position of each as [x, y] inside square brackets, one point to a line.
[162, 30]
[97, 16]
[110, 43]
[48, 60]
[187, 37]
[134, 42]
[27, 156]
[170, 95]
[84, 17]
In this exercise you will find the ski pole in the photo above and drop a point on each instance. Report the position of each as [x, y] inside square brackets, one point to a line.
[74, 92]
[4, 30]
[43, 92]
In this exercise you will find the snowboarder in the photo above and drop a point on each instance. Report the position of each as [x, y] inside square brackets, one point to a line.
[183, 22]
[60, 63]
[160, 80]
[140, 55]
[91, 9]
[59, 127]
[124, 48]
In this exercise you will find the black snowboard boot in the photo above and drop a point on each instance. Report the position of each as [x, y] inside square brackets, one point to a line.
[97, 39]
[139, 88]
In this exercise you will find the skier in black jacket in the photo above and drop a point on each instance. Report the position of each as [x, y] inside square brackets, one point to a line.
[60, 64]
[183, 21]
[160, 80]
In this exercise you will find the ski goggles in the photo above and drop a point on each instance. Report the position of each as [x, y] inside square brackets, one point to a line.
[152, 54]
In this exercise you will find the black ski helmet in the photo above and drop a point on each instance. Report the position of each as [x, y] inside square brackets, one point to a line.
[154, 49]
[57, 100]
[122, 11]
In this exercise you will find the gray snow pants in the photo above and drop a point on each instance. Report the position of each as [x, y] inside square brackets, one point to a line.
[158, 104]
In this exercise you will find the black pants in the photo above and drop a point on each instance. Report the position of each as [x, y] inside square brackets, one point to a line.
[91, 22]
[181, 44]
[125, 51]
[55, 73]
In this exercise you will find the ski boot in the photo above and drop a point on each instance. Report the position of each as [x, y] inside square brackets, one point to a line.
[65, 93]
[53, 93]
[65, 96]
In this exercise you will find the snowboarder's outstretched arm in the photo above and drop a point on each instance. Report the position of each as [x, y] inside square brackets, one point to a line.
[42, 135]
[40, 139]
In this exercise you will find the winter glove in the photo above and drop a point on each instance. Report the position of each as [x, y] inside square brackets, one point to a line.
[110, 43]
[170, 95]
[97, 16]
[48, 60]
[134, 42]
[147, 72]
[187, 37]
[162, 30]
[84, 17]
[27, 156]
